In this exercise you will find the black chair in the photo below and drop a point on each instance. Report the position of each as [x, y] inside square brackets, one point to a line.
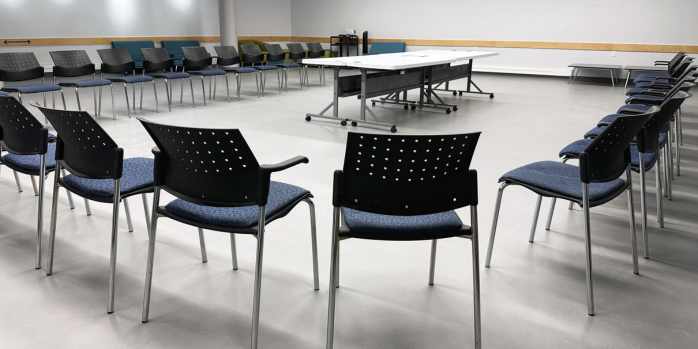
[220, 186]
[77, 63]
[99, 173]
[228, 56]
[198, 62]
[405, 188]
[595, 182]
[27, 141]
[253, 55]
[274, 54]
[296, 52]
[315, 50]
[23, 66]
[119, 61]
[156, 59]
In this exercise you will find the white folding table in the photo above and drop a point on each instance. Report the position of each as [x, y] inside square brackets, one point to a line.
[400, 72]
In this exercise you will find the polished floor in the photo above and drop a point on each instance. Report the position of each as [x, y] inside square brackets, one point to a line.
[533, 296]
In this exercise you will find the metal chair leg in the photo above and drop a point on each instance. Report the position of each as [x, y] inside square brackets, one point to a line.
[151, 255]
[70, 196]
[631, 211]
[63, 98]
[658, 186]
[227, 87]
[313, 241]
[113, 108]
[19, 186]
[134, 101]
[168, 91]
[258, 278]
[476, 276]
[128, 215]
[94, 97]
[278, 77]
[239, 78]
[114, 238]
[147, 212]
[141, 104]
[233, 251]
[256, 78]
[550, 213]
[494, 223]
[432, 262]
[202, 242]
[191, 85]
[54, 214]
[155, 93]
[36, 191]
[535, 218]
[334, 259]
[587, 240]
[643, 207]
[77, 96]
[88, 211]
[203, 89]
[40, 215]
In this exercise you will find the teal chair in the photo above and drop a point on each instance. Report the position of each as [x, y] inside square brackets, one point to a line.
[378, 48]
[174, 48]
[134, 49]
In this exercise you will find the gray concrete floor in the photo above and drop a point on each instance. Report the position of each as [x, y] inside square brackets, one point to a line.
[533, 296]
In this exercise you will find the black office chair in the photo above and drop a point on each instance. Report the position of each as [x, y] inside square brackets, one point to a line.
[228, 56]
[99, 172]
[77, 63]
[197, 61]
[595, 182]
[297, 53]
[220, 186]
[118, 61]
[253, 55]
[315, 50]
[405, 188]
[23, 66]
[156, 59]
[274, 54]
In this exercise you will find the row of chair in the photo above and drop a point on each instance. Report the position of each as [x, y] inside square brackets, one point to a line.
[157, 64]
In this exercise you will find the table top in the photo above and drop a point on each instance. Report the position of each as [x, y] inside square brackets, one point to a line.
[595, 66]
[645, 67]
[401, 60]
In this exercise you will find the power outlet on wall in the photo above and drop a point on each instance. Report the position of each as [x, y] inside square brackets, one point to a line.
[613, 53]
[351, 31]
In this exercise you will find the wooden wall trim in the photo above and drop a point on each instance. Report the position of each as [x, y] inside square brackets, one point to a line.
[411, 42]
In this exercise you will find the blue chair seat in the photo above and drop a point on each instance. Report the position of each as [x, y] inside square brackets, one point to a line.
[575, 148]
[51, 136]
[132, 79]
[560, 178]
[366, 222]
[648, 97]
[3, 94]
[137, 174]
[636, 90]
[33, 88]
[288, 65]
[171, 75]
[87, 83]
[280, 196]
[33, 162]
[209, 72]
[638, 107]
[265, 67]
[240, 70]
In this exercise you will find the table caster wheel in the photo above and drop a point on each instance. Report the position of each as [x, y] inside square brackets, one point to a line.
[491, 95]
[448, 111]
[373, 104]
[393, 129]
[307, 118]
[460, 93]
[414, 107]
[406, 106]
[354, 123]
[454, 93]
[343, 123]
[455, 108]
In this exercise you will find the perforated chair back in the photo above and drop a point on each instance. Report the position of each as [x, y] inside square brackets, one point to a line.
[296, 51]
[116, 60]
[213, 167]
[275, 53]
[196, 57]
[227, 55]
[315, 47]
[19, 66]
[648, 137]
[20, 132]
[407, 175]
[156, 58]
[82, 145]
[250, 49]
[71, 63]
[674, 62]
[608, 155]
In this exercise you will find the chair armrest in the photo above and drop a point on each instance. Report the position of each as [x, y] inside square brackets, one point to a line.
[631, 112]
[284, 164]
[661, 62]
[158, 166]
[637, 99]
[265, 172]
[651, 93]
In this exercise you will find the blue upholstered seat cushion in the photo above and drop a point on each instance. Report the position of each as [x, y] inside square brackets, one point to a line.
[650, 77]
[560, 178]
[280, 196]
[33, 88]
[137, 174]
[645, 97]
[366, 222]
[240, 70]
[171, 75]
[208, 72]
[288, 65]
[132, 79]
[87, 83]
[266, 67]
[33, 162]
[644, 84]
[636, 90]
[638, 107]
[4, 94]
[576, 147]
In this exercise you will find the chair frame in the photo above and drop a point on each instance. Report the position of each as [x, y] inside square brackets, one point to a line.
[164, 65]
[316, 54]
[197, 63]
[220, 60]
[25, 75]
[258, 58]
[62, 71]
[125, 68]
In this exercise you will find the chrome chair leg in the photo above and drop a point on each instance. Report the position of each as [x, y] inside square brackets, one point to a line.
[40, 215]
[77, 96]
[227, 87]
[134, 101]
[203, 89]
[36, 191]
[658, 186]
[678, 147]
[94, 97]
[494, 224]
[87, 207]
[333, 275]
[670, 168]
[147, 212]
[141, 104]
[233, 251]
[278, 77]
[550, 213]
[476, 276]
[631, 211]
[238, 78]
[643, 207]
[535, 218]
[258, 278]
[155, 93]
[70, 196]
[128, 215]
[114, 238]
[587, 241]
[63, 98]
[432, 262]
[256, 78]
[215, 85]
[313, 241]
[151, 255]
[54, 213]
[19, 186]
[202, 242]
[113, 108]
[168, 92]
[191, 85]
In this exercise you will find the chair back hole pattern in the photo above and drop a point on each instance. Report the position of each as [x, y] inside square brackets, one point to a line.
[195, 53]
[226, 52]
[295, 48]
[213, 167]
[408, 175]
[70, 59]
[20, 132]
[647, 140]
[314, 47]
[19, 66]
[155, 54]
[115, 56]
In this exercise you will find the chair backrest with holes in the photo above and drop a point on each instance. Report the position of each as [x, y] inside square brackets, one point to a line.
[156, 58]
[212, 167]
[19, 66]
[20, 132]
[275, 53]
[407, 175]
[227, 55]
[296, 51]
[196, 57]
[648, 137]
[116, 61]
[82, 146]
[251, 53]
[608, 155]
[71, 63]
